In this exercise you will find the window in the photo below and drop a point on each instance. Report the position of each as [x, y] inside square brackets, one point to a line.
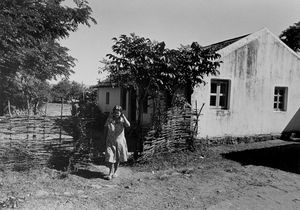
[107, 97]
[280, 99]
[219, 94]
[145, 105]
[123, 98]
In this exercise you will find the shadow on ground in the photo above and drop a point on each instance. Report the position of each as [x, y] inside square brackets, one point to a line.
[85, 173]
[285, 157]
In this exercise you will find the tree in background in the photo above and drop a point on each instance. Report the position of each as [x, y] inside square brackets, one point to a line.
[34, 92]
[29, 46]
[65, 91]
[291, 37]
[77, 90]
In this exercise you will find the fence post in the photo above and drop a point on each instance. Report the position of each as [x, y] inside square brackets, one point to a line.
[61, 108]
[28, 116]
[9, 110]
[10, 132]
[61, 115]
[46, 107]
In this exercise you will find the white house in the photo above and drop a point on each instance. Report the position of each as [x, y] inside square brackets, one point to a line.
[110, 94]
[257, 90]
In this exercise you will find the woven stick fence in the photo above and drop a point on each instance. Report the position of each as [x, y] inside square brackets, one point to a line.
[176, 132]
[26, 142]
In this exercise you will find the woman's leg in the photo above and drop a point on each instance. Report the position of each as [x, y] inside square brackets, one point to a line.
[116, 165]
[111, 171]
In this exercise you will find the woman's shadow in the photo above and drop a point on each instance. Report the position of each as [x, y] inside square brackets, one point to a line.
[88, 174]
[92, 170]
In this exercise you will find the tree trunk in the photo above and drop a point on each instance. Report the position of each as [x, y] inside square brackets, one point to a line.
[36, 103]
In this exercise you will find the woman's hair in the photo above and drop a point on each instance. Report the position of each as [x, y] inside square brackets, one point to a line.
[117, 107]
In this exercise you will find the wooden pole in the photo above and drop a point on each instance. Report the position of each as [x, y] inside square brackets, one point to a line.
[28, 108]
[61, 108]
[9, 110]
[46, 107]
[10, 132]
[61, 115]
[28, 116]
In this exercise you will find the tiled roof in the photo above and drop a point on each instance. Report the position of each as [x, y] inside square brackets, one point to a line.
[106, 83]
[220, 45]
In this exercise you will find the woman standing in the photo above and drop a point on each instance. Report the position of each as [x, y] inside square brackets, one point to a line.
[116, 146]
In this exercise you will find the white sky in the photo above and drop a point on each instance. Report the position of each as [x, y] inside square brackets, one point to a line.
[173, 21]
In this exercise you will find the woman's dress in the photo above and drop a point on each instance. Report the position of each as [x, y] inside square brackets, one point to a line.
[116, 146]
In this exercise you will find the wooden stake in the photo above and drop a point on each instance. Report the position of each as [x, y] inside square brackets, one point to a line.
[8, 105]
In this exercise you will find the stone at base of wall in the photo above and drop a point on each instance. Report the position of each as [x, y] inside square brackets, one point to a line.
[215, 141]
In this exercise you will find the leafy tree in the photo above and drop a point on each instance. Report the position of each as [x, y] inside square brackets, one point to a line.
[189, 65]
[60, 91]
[66, 90]
[291, 37]
[76, 90]
[29, 36]
[136, 63]
[150, 67]
[35, 92]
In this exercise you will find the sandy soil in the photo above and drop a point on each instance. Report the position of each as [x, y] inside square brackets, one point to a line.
[246, 176]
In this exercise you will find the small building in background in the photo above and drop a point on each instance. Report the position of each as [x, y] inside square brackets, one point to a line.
[110, 94]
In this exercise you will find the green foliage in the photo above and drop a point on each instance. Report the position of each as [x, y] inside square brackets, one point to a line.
[291, 37]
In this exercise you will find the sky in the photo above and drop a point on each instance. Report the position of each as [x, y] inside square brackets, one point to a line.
[175, 22]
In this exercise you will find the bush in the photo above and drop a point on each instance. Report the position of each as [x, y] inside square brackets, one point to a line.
[88, 126]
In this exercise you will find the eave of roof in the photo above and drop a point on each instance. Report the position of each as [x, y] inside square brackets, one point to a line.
[106, 84]
[220, 45]
[243, 40]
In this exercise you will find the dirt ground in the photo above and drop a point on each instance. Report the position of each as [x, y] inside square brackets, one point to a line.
[261, 175]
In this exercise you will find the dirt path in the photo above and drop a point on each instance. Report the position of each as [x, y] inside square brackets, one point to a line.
[217, 182]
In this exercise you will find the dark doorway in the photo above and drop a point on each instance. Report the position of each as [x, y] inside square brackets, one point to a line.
[132, 105]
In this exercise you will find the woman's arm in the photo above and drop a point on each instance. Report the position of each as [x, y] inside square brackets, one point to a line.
[126, 122]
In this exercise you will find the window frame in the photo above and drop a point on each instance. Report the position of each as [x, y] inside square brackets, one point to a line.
[276, 98]
[218, 94]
